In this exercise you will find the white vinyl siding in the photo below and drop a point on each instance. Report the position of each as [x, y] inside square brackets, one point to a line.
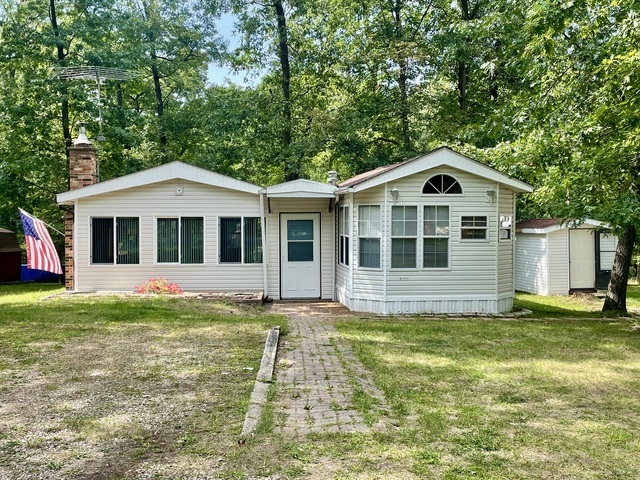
[558, 261]
[473, 269]
[531, 263]
[327, 241]
[160, 200]
[505, 246]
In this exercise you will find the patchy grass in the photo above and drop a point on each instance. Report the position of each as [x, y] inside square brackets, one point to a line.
[519, 399]
[139, 388]
[579, 305]
[109, 387]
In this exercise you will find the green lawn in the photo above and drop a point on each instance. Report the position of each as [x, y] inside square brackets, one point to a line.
[127, 388]
[574, 305]
[109, 387]
[507, 399]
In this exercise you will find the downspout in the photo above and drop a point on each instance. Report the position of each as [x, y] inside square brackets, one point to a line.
[265, 252]
[75, 243]
[336, 216]
[498, 259]
[385, 247]
[513, 246]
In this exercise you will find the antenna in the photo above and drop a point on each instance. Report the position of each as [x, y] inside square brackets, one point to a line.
[99, 75]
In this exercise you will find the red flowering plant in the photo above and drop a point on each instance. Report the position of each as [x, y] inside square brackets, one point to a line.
[159, 286]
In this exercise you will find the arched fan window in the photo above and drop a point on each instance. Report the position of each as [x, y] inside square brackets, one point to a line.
[442, 184]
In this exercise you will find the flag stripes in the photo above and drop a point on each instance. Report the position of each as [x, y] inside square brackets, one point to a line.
[41, 253]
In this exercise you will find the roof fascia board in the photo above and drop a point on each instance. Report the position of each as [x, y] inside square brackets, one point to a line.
[437, 158]
[162, 173]
[569, 224]
[301, 188]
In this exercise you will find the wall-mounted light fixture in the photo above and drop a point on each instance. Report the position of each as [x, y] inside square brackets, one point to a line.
[492, 195]
[395, 193]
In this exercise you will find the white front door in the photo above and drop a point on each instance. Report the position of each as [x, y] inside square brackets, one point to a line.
[582, 257]
[300, 255]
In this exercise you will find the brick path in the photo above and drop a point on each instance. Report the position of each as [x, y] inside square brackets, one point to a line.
[314, 389]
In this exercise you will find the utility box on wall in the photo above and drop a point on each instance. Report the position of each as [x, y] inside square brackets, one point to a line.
[10, 256]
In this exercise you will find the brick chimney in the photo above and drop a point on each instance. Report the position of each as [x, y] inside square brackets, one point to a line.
[83, 171]
[83, 162]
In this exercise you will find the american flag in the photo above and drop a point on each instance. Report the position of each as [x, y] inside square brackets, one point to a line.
[41, 253]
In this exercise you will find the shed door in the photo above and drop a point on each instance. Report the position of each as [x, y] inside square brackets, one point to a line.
[582, 258]
[300, 255]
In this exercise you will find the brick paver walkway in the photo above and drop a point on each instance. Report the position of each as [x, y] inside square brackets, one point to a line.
[315, 389]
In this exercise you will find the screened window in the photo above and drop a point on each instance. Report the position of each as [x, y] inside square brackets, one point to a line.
[343, 235]
[119, 245]
[241, 240]
[369, 233]
[435, 241]
[180, 240]
[473, 228]
[442, 184]
[404, 236]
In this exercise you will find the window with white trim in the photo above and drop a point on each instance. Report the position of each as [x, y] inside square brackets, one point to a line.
[473, 227]
[442, 184]
[404, 236]
[180, 240]
[369, 234]
[435, 236]
[240, 240]
[119, 245]
[343, 235]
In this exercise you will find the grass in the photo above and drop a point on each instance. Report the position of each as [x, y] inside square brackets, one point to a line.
[94, 387]
[586, 306]
[110, 387]
[523, 399]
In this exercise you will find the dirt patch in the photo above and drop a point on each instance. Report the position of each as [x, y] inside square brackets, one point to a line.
[135, 401]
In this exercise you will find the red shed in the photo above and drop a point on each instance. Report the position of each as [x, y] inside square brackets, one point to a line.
[10, 256]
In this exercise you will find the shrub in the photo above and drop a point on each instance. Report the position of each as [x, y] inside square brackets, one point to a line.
[160, 286]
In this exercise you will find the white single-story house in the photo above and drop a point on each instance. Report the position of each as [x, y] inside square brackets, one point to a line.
[556, 256]
[432, 234]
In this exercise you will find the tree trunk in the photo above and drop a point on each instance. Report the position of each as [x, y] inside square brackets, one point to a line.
[462, 77]
[402, 77]
[155, 73]
[616, 299]
[291, 171]
[157, 85]
[66, 129]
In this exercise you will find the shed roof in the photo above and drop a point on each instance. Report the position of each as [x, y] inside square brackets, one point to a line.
[547, 225]
[8, 242]
[169, 171]
[432, 159]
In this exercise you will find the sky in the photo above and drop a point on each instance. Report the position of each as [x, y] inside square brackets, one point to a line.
[220, 75]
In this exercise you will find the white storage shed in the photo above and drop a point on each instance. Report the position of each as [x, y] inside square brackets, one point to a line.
[555, 256]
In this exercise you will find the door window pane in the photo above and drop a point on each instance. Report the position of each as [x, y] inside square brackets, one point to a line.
[300, 251]
[299, 229]
[300, 240]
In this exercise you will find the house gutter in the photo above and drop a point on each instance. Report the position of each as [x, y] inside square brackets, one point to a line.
[265, 253]
[336, 219]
